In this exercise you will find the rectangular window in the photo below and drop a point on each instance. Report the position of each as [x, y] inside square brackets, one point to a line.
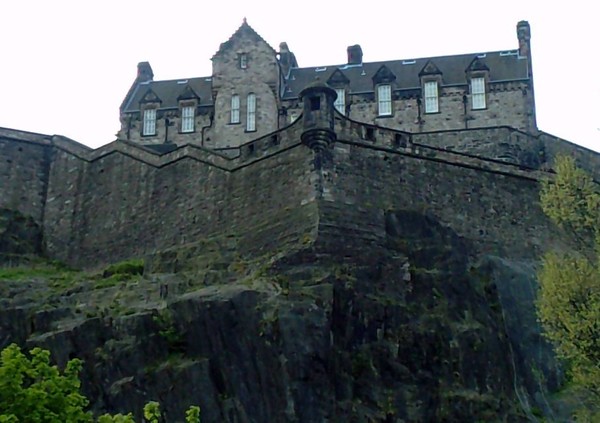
[235, 108]
[187, 119]
[431, 97]
[243, 61]
[478, 93]
[149, 124]
[384, 100]
[251, 112]
[340, 101]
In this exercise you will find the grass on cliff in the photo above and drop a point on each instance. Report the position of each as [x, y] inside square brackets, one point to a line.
[36, 268]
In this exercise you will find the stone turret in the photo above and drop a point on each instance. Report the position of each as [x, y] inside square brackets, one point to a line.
[318, 99]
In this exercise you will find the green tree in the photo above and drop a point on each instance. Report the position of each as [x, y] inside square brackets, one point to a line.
[34, 391]
[569, 298]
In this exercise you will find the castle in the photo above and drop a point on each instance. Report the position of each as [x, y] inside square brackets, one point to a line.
[254, 91]
[266, 154]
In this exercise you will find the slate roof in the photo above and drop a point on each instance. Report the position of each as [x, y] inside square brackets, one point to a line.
[503, 66]
[170, 91]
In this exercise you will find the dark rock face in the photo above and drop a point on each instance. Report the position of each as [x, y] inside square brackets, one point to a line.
[416, 331]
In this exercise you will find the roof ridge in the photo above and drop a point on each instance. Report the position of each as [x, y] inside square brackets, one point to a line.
[341, 66]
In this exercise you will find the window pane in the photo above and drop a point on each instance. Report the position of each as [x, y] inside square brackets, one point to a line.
[187, 119]
[251, 112]
[149, 124]
[478, 93]
[384, 96]
[340, 101]
[235, 109]
[431, 97]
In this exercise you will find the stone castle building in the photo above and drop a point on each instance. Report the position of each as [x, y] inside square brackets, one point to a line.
[254, 90]
[268, 154]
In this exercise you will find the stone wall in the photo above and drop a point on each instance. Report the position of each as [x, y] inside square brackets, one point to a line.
[507, 104]
[133, 125]
[484, 206]
[121, 201]
[259, 75]
[24, 166]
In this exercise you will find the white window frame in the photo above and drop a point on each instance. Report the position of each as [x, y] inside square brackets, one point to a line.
[478, 93]
[235, 109]
[340, 101]
[251, 112]
[384, 100]
[430, 89]
[187, 119]
[149, 122]
[243, 61]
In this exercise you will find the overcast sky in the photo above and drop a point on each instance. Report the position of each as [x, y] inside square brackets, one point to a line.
[66, 65]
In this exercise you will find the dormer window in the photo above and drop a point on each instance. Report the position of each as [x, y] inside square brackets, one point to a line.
[478, 93]
[251, 112]
[235, 109]
[384, 100]
[187, 119]
[340, 101]
[149, 122]
[243, 60]
[430, 89]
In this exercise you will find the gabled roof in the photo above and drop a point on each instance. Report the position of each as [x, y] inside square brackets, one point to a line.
[170, 92]
[477, 65]
[502, 65]
[244, 31]
[188, 93]
[338, 78]
[430, 69]
[384, 74]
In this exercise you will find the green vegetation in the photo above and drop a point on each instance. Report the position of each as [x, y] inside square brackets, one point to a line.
[569, 298]
[33, 390]
[37, 268]
[125, 269]
[168, 331]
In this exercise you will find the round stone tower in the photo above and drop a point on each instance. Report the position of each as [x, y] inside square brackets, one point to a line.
[318, 99]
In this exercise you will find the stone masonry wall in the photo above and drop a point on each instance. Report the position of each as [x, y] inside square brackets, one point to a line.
[24, 166]
[117, 204]
[496, 211]
[507, 104]
[174, 134]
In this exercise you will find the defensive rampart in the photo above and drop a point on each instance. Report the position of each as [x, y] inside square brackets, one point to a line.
[123, 200]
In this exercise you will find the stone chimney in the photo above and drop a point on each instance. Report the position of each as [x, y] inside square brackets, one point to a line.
[144, 72]
[524, 35]
[355, 55]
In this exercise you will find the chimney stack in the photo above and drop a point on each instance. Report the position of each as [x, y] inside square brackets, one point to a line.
[524, 35]
[144, 72]
[355, 55]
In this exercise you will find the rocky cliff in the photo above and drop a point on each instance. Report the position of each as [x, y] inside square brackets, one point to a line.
[422, 328]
